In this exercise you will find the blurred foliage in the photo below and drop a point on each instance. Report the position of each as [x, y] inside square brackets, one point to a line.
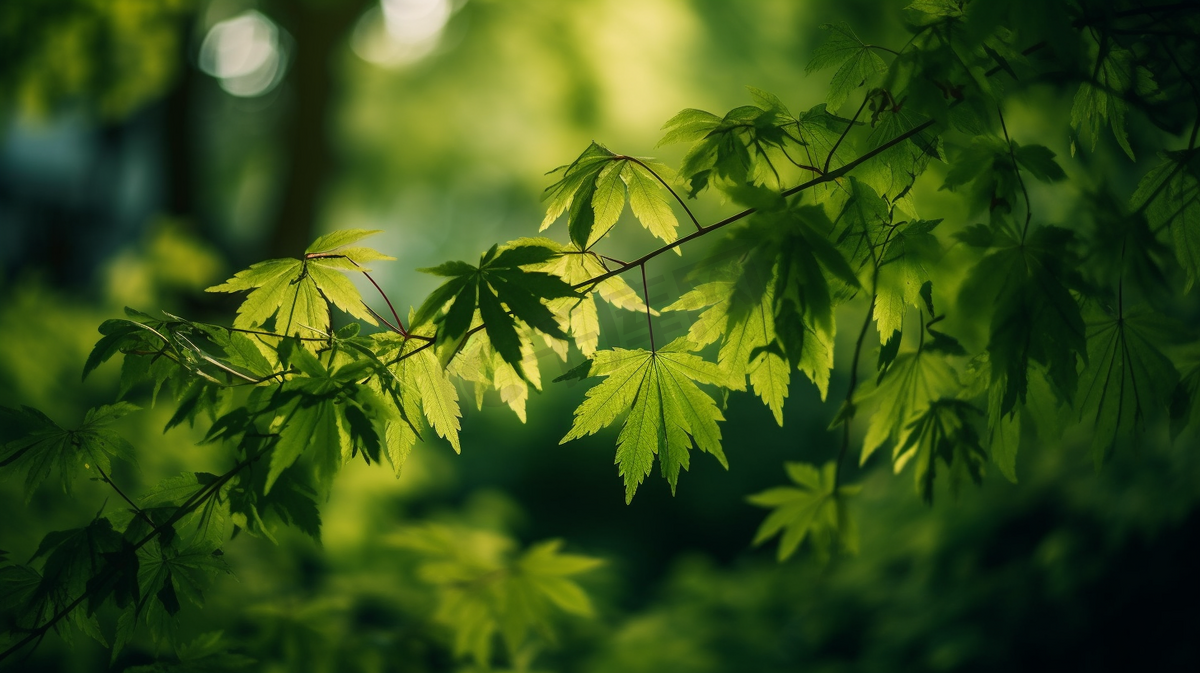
[111, 55]
[1037, 227]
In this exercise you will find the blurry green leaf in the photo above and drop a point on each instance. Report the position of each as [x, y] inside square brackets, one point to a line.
[1169, 195]
[485, 589]
[1102, 101]
[813, 511]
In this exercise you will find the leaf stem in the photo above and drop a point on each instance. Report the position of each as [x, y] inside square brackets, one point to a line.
[1017, 170]
[862, 333]
[649, 323]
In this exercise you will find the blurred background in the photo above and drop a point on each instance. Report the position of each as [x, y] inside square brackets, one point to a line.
[150, 148]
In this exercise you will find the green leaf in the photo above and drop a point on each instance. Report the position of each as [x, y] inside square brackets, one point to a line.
[503, 292]
[579, 315]
[1040, 163]
[206, 654]
[667, 412]
[73, 559]
[944, 431]
[902, 273]
[688, 126]
[743, 147]
[168, 574]
[813, 511]
[1102, 101]
[1169, 195]
[484, 587]
[904, 393]
[43, 446]
[1127, 379]
[855, 60]
[893, 171]
[1004, 434]
[332, 241]
[1034, 317]
[297, 293]
[647, 202]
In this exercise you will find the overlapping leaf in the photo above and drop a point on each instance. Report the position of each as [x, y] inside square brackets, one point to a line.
[752, 144]
[579, 315]
[325, 413]
[1035, 318]
[422, 389]
[667, 411]
[1103, 101]
[987, 171]
[748, 348]
[903, 394]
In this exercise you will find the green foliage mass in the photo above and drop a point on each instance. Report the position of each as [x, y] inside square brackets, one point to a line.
[1050, 325]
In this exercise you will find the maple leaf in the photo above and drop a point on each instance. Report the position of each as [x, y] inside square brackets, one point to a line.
[297, 293]
[667, 412]
[498, 282]
[726, 150]
[44, 446]
[1127, 378]
[814, 511]
[485, 587]
[1035, 319]
[856, 61]
[593, 191]
[943, 431]
[903, 393]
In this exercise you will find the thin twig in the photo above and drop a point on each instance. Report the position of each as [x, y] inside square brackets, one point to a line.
[845, 131]
[137, 510]
[827, 177]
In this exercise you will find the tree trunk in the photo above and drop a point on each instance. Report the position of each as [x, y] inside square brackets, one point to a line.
[319, 30]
